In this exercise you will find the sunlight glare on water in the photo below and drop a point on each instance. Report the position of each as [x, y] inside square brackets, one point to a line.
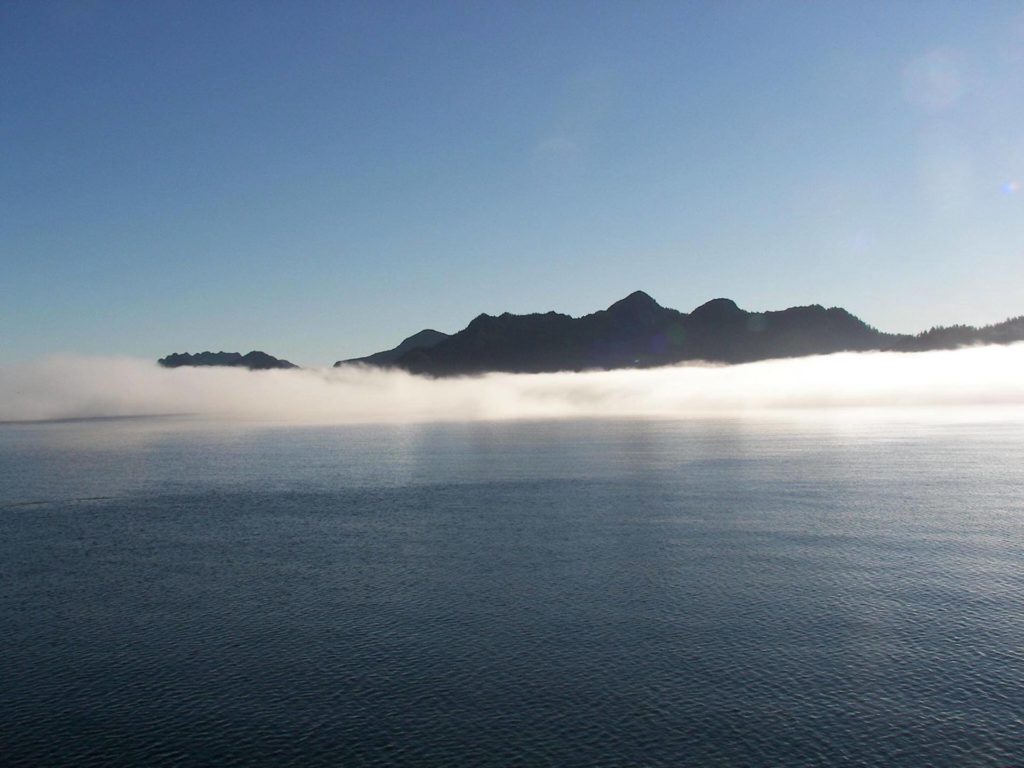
[828, 590]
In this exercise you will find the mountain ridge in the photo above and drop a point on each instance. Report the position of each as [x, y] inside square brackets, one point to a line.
[636, 332]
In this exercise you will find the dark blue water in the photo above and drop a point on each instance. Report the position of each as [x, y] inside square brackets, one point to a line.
[734, 593]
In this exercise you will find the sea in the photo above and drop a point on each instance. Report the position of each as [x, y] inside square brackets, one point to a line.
[835, 588]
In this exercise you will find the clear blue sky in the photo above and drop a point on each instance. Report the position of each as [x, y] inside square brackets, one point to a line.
[321, 179]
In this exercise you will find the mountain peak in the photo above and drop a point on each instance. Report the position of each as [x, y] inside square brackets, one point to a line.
[717, 309]
[428, 337]
[425, 339]
[637, 300]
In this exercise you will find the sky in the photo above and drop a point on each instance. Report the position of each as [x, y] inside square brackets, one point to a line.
[320, 180]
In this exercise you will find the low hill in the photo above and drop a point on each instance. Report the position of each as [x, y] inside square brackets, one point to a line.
[254, 361]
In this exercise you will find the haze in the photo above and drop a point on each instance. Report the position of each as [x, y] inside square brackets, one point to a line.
[67, 387]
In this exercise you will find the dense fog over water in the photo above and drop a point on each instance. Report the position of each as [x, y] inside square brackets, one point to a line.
[82, 387]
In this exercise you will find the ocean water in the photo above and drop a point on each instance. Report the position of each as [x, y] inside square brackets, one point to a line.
[828, 590]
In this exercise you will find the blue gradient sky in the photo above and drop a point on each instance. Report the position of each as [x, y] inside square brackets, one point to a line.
[320, 180]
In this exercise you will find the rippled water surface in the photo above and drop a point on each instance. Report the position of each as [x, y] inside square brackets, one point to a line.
[821, 591]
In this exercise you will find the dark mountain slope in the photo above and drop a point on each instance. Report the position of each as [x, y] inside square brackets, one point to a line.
[423, 340]
[503, 343]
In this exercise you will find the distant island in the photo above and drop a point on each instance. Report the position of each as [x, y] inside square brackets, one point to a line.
[254, 361]
[636, 332]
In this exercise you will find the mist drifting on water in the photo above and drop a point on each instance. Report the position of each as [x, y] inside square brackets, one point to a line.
[81, 387]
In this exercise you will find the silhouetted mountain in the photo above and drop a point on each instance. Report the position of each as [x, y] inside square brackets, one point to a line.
[636, 332]
[639, 332]
[255, 360]
[425, 339]
[953, 336]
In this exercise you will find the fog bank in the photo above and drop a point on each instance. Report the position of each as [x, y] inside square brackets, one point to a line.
[79, 387]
